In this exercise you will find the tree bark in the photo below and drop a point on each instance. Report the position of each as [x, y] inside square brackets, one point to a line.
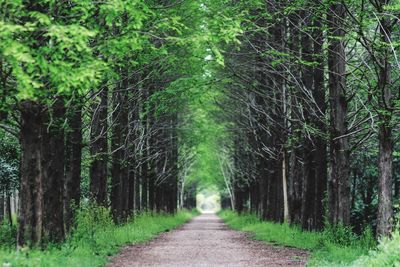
[119, 170]
[308, 199]
[385, 160]
[8, 211]
[53, 168]
[30, 219]
[42, 171]
[320, 152]
[99, 149]
[1, 207]
[284, 186]
[385, 188]
[339, 188]
[73, 170]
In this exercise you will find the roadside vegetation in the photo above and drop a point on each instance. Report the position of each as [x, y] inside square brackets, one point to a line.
[334, 246]
[95, 238]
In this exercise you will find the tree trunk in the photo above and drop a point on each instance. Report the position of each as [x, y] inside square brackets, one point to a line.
[42, 171]
[307, 207]
[295, 188]
[284, 185]
[119, 170]
[53, 168]
[8, 209]
[308, 199]
[99, 150]
[320, 152]
[133, 137]
[30, 219]
[339, 188]
[295, 179]
[73, 170]
[153, 136]
[138, 205]
[385, 160]
[385, 188]
[1, 207]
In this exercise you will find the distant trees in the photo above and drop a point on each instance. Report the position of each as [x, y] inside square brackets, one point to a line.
[9, 173]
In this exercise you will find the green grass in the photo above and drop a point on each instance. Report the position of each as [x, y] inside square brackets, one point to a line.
[332, 247]
[386, 254]
[95, 238]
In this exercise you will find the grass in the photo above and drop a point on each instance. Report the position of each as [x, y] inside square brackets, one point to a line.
[332, 247]
[95, 238]
[386, 254]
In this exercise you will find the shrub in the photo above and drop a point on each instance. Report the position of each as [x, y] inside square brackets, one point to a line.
[386, 254]
[8, 234]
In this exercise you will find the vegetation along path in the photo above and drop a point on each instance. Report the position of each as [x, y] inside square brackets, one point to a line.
[207, 241]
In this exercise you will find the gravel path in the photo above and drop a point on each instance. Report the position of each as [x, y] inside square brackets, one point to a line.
[207, 241]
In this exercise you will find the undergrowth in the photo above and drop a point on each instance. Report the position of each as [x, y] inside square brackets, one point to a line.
[335, 246]
[386, 254]
[7, 234]
[94, 239]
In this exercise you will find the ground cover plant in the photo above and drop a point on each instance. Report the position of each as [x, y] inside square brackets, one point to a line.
[334, 246]
[95, 238]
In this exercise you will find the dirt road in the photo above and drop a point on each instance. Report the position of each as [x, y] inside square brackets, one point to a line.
[207, 241]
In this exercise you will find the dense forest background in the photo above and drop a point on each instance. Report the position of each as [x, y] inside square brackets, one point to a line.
[290, 109]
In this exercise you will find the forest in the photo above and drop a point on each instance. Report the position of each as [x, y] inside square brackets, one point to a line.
[118, 113]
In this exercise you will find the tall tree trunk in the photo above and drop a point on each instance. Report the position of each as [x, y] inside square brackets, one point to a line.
[117, 158]
[320, 152]
[385, 188]
[285, 191]
[53, 168]
[154, 134]
[133, 137]
[174, 160]
[119, 170]
[99, 149]
[339, 187]
[138, 205]
[295, 188]
[73, 170]
[307, 207]
[145, 155]
[308, 199]
[8, 210]
[1, 207]
[30, 219]
[385, 160]
[42, 174]
[295, 178]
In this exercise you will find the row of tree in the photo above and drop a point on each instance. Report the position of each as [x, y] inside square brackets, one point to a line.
[93, 92]
[313, 105]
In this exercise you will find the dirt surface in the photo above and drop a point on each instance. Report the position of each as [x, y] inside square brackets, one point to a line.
[207, 241]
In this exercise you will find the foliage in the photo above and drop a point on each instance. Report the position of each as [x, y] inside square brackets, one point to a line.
[386, 255]
[7, 234]
[94, 239]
